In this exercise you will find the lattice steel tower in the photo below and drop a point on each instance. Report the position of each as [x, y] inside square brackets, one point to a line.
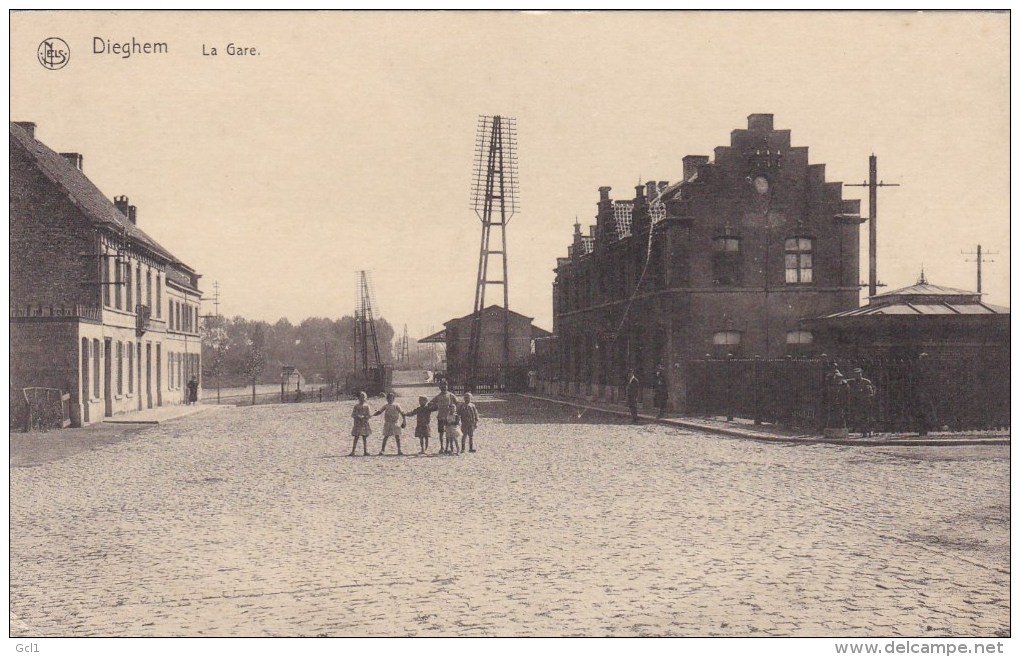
[364, 327]
[494, 198]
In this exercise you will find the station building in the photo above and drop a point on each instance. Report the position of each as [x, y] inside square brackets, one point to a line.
[724, 262]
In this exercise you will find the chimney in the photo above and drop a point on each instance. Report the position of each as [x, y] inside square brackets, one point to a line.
[132, 214]
[691, 164]
[75, 159]
[27, 126]
[639, 193]
[759, 122]
[121, 203]
[604, 193]
[650, 190]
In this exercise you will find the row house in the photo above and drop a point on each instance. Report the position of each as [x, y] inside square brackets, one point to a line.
[723, 263]
[98, 309]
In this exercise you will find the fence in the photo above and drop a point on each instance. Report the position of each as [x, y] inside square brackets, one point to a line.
[40, 409]
[956, 393]
[305, 395]
[497, 378]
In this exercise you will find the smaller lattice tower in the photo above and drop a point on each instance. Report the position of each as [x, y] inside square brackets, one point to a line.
[495, 199]
[404, 348]
[366, 342]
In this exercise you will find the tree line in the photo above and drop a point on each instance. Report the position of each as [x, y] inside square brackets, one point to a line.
[238, 351]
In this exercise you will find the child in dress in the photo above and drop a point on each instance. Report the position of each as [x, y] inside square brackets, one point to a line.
[452, 432]
[392, 412]
[361, 413]
[468, 423]
[421, 428]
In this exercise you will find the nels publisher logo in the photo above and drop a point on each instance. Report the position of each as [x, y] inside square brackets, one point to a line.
[54, 53]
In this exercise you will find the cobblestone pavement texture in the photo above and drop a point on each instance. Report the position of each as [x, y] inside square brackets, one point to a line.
[254, 522]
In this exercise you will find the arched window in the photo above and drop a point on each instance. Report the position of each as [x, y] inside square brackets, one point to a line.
[799, 264]
[726, 338]
[799, 337]
[726, 343]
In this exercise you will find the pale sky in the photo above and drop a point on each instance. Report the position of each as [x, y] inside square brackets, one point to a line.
[347, 143]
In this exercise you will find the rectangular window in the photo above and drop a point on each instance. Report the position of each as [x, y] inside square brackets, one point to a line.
[118, 273]
[727, 261]
[107, 278]
[798, 259]
[138, 286]
[129, 305]
[96, 355]
[120, 368]
[131, 368]
[148, 288]
[159, 295]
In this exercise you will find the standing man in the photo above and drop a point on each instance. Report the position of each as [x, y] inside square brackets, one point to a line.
[661, 390]
[192, 390]
[441, 404]
[862, 395]
[633, 393]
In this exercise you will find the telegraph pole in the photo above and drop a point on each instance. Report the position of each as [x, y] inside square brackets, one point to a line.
[873, 184]
[979, 258]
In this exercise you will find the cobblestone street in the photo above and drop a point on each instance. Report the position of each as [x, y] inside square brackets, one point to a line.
[254, 522]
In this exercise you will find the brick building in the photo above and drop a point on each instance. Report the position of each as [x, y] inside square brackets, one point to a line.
[98, 309]
[725, 261]
[457, 337]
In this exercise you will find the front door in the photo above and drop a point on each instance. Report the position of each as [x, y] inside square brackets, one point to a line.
[159, 374]
[148, 375]
[86, 382]
[139, 361]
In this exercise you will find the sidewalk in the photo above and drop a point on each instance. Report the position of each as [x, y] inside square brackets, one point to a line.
[39, 447]
[161, 414]
[746, 429]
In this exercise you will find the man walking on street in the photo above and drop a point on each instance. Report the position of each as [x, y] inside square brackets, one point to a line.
[661, 390]
[862, 395]
[633, 393]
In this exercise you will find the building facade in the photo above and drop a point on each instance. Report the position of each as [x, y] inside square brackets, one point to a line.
[727, 261]
[98, 309]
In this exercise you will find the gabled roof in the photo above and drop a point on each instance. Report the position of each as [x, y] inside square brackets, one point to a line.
[83, 193]
[440, 336]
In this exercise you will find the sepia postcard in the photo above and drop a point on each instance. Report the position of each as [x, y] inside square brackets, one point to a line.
[505, 324]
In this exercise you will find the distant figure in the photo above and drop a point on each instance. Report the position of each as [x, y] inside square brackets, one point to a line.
[422, 430]
[441, 404]
[468, 423]
[835, 398]
[661, 390]
[192, 390]
[633, 394]
[361, 414]
[532, 379]
[428, 376]
[390, 428]
[924, 413]
[862, 397]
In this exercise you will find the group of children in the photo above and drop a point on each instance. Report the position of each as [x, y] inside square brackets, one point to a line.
[454, 420]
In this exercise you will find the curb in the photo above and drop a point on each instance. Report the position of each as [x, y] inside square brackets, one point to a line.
[779, 438]
[152, 422]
